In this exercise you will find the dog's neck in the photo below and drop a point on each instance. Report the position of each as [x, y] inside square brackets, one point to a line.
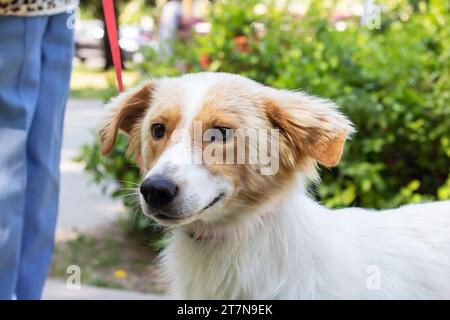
[229, 231]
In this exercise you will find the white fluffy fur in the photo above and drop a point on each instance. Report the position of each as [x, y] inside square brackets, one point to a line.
[301, 250]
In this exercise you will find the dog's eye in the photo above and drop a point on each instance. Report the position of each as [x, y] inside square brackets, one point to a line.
[218, 133]
[158, 131]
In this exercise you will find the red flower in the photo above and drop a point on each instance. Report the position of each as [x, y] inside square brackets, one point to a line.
[204, 61]
[241, 43]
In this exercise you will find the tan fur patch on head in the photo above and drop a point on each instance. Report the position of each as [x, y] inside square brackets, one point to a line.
[235, 106]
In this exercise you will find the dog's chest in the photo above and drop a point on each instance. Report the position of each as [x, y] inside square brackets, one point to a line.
[202, 270]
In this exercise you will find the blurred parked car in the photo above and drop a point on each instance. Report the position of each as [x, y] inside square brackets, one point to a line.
[90, 42]
[89, 39]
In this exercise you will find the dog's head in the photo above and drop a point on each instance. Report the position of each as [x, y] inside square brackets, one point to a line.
[212, 146]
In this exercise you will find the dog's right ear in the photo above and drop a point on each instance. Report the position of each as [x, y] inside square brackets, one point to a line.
[126, 110]
[309, 126]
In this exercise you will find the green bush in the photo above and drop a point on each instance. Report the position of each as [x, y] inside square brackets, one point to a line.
[393, 83]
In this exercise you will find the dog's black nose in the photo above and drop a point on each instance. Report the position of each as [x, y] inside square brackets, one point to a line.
[158, 191]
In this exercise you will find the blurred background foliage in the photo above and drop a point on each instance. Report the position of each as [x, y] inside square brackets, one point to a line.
[128, 11]
[392, 82]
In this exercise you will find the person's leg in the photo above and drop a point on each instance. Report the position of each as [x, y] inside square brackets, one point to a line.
[44, 147]
[20, 65]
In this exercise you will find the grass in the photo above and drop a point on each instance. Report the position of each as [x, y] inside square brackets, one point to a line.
[95, 83]
[109, 258]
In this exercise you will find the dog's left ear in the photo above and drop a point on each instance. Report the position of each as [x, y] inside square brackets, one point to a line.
[309, 127]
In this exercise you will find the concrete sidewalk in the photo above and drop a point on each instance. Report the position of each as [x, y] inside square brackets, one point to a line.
[83, 206]
[57, 290]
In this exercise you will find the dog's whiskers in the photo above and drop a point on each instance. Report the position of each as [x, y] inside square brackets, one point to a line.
[127, 182]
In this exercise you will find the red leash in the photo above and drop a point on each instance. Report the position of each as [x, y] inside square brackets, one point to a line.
[110, 19]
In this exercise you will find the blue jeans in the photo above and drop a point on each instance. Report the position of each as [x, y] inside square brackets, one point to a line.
[35, 66]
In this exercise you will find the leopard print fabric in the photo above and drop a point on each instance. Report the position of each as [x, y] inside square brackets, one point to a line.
[36, 7]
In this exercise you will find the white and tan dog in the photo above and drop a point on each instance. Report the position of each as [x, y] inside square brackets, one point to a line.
[241, 234]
